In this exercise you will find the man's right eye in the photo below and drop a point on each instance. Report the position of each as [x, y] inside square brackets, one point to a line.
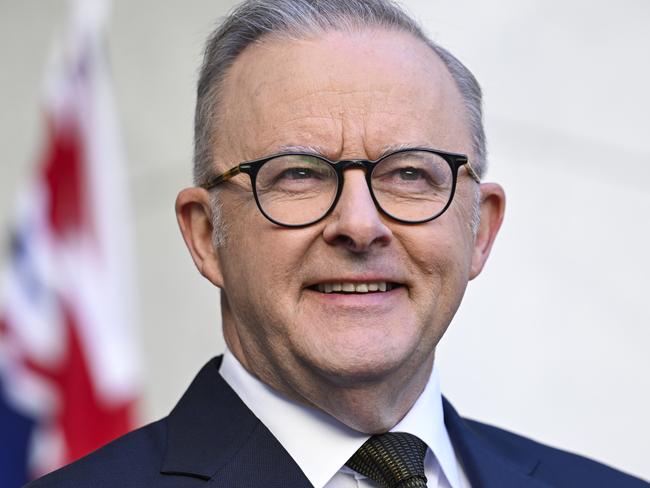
[297, 174]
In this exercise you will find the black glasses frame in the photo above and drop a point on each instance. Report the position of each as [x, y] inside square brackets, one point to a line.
[252, 168]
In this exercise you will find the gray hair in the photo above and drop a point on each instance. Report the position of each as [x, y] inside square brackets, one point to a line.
[255, 19]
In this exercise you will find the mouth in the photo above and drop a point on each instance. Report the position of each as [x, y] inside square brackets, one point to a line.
[350, 288]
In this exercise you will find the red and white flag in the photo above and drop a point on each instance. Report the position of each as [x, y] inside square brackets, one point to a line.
[68, 358]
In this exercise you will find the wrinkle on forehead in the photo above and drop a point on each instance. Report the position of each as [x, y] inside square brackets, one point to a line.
[349, 95]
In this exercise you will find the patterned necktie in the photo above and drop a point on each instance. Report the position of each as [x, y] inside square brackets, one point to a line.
[394, 460]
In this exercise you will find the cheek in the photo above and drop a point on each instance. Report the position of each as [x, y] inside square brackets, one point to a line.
[262, 262]
[440, 259]
[432, 251]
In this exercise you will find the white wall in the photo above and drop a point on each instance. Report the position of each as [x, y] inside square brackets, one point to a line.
[552, 340]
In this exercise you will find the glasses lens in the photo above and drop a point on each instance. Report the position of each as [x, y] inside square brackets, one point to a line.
[296, 189]
[413, 185]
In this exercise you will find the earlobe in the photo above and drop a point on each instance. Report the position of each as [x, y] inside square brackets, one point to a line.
[194, 216]
[492, 207]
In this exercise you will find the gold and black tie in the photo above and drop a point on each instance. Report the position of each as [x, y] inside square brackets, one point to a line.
[394, 460]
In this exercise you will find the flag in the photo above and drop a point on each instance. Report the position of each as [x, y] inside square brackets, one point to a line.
[68, 358]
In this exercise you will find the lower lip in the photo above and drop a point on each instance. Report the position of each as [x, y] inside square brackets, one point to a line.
[357, 299]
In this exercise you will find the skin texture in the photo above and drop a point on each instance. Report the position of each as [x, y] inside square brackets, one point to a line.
[362, 358]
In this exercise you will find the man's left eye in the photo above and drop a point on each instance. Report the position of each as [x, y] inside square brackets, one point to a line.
[410, 174]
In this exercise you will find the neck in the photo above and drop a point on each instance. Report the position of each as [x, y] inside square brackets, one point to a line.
[373, 406]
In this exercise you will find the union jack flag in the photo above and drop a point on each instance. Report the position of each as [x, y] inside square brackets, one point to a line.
[68, 358]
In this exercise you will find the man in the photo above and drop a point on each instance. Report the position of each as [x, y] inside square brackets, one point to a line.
[339, 207]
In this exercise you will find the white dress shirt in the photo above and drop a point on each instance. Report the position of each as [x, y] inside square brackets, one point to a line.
[321, 445]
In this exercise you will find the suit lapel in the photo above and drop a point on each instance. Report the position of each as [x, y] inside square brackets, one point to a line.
[213, 436]
[487, 465]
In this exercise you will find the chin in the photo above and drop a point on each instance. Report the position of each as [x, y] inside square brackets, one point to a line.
[351, 364]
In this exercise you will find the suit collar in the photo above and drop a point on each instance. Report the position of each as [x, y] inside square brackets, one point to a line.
[485, 463]
[212, 435]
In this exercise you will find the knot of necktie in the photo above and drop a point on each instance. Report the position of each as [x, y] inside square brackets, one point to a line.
[394, 460]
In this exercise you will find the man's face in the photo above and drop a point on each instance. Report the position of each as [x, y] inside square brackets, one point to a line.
[347, 96]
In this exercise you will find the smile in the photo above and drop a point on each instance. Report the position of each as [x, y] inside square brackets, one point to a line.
[347, 287]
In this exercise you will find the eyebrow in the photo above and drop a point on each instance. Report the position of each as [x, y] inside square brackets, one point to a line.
[289, 148]
[320, 151]
[399, 147]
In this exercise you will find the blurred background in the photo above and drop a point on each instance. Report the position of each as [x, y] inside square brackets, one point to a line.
[552, 340]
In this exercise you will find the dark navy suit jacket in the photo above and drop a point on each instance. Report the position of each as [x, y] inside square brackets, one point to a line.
[211, 439]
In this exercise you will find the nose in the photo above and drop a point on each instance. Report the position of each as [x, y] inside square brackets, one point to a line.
[355, 222]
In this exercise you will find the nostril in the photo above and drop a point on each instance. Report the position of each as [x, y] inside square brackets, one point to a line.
[346, 241]
[356, 236]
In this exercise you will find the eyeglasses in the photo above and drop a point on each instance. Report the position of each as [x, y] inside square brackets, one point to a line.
[296, 189]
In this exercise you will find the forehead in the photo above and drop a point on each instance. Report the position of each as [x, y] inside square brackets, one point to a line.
[345, 94]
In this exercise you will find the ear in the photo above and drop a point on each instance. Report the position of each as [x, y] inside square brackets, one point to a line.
[194, 215]
[492, 207]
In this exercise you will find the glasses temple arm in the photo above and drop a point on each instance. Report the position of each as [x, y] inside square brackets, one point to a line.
[472, 172]
[211, 183]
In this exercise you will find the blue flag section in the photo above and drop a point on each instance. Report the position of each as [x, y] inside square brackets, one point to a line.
[16, 430]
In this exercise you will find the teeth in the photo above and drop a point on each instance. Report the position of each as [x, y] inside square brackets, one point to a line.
[353, 287]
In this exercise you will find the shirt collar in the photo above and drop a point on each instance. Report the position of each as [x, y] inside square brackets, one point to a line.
[426, 421]
[291, 423]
